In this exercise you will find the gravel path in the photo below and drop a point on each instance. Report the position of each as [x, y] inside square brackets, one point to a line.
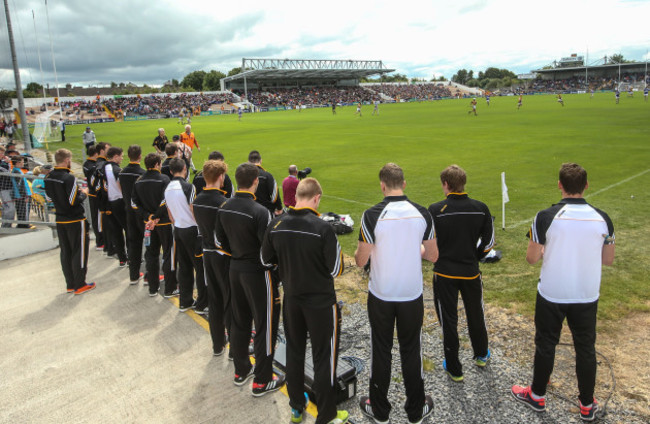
[483, 396]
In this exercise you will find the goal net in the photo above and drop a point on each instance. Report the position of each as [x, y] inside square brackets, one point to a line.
[46, 129]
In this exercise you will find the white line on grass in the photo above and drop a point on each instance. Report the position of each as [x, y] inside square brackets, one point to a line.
[347, 200]
[528, 221]
[385, 135]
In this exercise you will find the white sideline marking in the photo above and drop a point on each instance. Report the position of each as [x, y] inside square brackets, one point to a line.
[520, 223]
[386, 135]
[347, 200]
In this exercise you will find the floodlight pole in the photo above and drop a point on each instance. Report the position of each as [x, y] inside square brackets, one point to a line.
[19, 88]
[56, 77]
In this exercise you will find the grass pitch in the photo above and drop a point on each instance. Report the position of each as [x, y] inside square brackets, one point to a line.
[346, 152]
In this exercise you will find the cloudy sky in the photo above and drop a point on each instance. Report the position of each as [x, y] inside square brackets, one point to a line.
[151, 41]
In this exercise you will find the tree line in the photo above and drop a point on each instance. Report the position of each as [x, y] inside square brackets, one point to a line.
[490, 79]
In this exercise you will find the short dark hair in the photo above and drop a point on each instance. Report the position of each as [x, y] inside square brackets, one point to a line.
[216, 155]
[16, 159]
[176, 137]
[455, 177]
[151, 160]
[134, 152]
[171, 149]
[246, 174]
[573, 178]
[92, 150]
[392, 175]
[254, 157]
[176, 165]
[113, 151]
[101, 146]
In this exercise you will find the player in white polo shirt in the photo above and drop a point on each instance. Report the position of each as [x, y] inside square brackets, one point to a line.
[575, 240]
[395, 235]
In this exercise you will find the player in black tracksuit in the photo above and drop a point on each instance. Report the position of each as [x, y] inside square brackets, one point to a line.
[308, 256]
[199, 181]
[254, 292]
[216, 255]
[179, 196]
[71, 224]
[134, 225]
[148, 199]
[89, 169]
[267, 193]
[115, 216]
[102, 199]
[465, 235]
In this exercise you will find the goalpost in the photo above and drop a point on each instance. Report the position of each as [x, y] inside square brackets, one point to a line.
[47, 129]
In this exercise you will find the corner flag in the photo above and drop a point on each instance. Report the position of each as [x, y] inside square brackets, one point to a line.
[504, 199]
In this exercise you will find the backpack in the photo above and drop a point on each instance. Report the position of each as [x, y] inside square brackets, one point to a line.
[342, 224]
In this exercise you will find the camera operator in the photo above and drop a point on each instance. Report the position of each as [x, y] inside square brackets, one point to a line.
[289, 185]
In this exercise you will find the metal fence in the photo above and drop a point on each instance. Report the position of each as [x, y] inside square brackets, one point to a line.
[24, 203]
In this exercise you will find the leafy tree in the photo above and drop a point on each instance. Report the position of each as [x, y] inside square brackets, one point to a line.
[211, 82]
[113, 84]
[461, 76]
[472, 82]
[175, 82]
[34, 87]
[194, 80]
[234, 71]
[470, 75]
[617, 58]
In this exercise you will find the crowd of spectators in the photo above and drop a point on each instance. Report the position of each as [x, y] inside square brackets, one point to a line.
[166, 104]
[291, 97]
[415, 91]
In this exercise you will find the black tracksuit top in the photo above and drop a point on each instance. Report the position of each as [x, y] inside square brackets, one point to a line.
[241, 224]
[148, 196]
[267, 193]
[199, 184]
[308, 256]
[460, 223]
[61, 187]
[206, 206]
[89, 168]
[127, 178]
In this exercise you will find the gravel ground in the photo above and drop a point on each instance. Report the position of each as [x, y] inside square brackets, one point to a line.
[482, 397]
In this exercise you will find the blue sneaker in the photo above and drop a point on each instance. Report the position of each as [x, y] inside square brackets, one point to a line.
[456, 378]
[296, 414]
[482, 361]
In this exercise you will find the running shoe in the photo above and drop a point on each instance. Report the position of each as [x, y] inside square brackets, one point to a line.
[341, 417]
[134, 282]
[482, 361]
[588, 413]
[183, 308]
[240, 380]
[427, 410]
[296, 414]
[123, 264]
[456, 378]
[84, 289]
[260, 389]
[70, 290]
[524, 395]
[99, 247]
[366, 409]
[172, 294]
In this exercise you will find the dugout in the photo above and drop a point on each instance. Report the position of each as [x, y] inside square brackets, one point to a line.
[292, 73]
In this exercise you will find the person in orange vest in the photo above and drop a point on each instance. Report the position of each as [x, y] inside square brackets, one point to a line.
[189, 139]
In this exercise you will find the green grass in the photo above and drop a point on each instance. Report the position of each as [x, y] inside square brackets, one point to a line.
[346, 152]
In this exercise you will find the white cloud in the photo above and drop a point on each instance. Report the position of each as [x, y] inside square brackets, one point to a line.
[144, 41]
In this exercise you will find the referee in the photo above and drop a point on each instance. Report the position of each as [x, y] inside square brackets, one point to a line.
[216, 255]
[241, 223]
[71, 224]
[395, 235]
[465, 235]
[309, 256]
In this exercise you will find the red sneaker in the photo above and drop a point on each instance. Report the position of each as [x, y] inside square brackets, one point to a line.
[84, 289]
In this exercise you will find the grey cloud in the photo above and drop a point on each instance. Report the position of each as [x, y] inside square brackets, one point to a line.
[473, 7]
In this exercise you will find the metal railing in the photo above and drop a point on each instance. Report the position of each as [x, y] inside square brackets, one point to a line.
[24, 202]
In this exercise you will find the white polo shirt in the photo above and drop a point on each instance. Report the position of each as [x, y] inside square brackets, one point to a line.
[396, 227]
[179, 194]
[573, 233]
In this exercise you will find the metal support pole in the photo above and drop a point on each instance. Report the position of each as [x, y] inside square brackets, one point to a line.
[19, 87]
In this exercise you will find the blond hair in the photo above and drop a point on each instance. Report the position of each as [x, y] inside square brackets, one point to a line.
[308, 189]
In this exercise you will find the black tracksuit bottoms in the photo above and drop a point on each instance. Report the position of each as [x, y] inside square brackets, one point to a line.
[581, 318]
[73, 241]
[255, 298]
[189, 257]
[445, 294]
[134, 238]
[217, 267]
[323, 325]
[115, 226]
[383, 316]
[161, 236]
[94, 218]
